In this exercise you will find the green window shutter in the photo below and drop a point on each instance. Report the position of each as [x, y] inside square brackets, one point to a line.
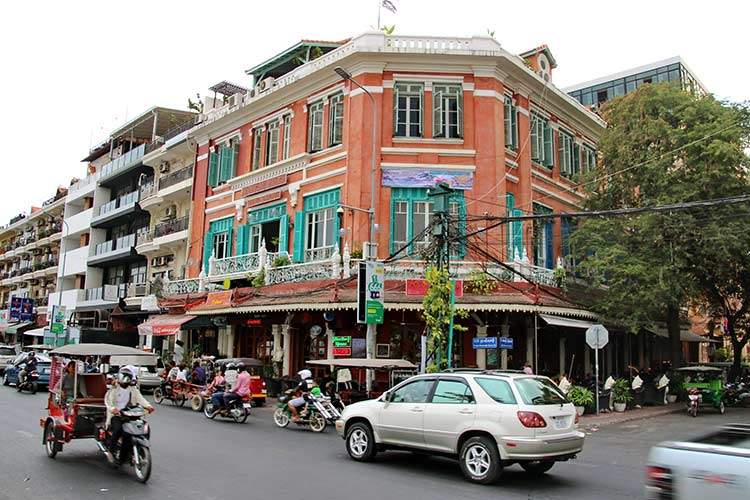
[213, 169]
[576, 159]
[514, 126]
[225, 158]
[284, 234]
[517, 233]
[229, 242]
[510, 201]
[299, 236]
[437, 114]
[208, 246]
[564, 167]
[548, 146]
[234, 152]
[243, 233]
[534, 138]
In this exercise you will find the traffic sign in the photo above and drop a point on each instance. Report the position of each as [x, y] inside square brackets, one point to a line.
[484, 342]
[597, 336]
[506, 342]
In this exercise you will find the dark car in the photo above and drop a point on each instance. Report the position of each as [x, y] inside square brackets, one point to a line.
[43, 365]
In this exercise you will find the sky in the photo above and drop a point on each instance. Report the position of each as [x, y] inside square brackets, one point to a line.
[73, 71]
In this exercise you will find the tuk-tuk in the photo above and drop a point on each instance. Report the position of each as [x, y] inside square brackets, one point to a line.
[351, 391]
[704, 386]
[83, 414]
[254, 367]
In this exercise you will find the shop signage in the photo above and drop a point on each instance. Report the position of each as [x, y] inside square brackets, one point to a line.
[506, 342]
[264, 198]
[218, 300]
[21, 308]
[375, 292]
[254, 322]
[426, 178]
[419, 287]
[342, 341]
[342, 351]
[258, 187]
[484, 342]
[57, 326]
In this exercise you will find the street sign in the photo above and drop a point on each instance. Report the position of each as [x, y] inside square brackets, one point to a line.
[342, 351]
[57, 325]
[597, 337]
[342, 341]
[375, 292]
[506, 342]
[484, 342]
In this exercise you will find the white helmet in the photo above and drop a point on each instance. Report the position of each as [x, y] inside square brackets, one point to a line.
[125, 376]
[304, 374]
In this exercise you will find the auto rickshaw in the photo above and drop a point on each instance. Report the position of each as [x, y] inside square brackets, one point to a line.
[351, 390]
[83, 413]
[254, 367]
[704, 386]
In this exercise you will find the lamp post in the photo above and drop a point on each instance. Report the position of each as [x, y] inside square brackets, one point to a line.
[372, 245]
[62, 281]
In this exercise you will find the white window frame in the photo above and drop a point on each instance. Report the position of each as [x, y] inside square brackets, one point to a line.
[272, 143]
[566, 153]
[221, 242]
[287, 146]
[315, 126]
[325, 217]
[401, 209]
[510, 119]
[255, 237]
[336, 119]
[588, 162]
[410, 91]
[257, 149]
[442, 95]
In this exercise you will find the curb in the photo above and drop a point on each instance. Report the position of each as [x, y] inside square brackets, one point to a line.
[629, 418]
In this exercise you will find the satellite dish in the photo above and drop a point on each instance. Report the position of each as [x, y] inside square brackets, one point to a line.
[329, 316]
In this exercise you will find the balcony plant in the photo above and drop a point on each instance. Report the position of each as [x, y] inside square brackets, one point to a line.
[281, 260]
[621, 395]
[260, 278]
[581, 397]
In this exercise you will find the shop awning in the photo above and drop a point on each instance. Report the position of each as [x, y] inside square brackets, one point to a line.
[566, 322]
[36, 332]
[164, 324]
[685, 336]
[16, 328]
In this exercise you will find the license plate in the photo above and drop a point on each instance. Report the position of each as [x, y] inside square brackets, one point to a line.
[560, 422]
[247, 406]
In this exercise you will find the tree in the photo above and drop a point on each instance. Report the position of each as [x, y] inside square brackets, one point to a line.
[662, 145]
[438, 313]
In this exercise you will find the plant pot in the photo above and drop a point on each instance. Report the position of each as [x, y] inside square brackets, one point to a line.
[580, 410]
[620, 407]
[671, 398]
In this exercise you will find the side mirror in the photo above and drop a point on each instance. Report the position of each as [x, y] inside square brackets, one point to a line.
[387, 395]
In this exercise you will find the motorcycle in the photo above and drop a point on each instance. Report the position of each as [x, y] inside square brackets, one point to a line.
[695, 397]
[737, 394]
[29, 382]
[238, 410]
[135, 448]
[316, 414]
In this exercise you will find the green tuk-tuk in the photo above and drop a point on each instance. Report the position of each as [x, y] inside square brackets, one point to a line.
[704, 386]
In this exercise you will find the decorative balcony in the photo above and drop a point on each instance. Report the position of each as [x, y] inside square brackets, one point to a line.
[172, 226]
[173, 178]
[182, 287]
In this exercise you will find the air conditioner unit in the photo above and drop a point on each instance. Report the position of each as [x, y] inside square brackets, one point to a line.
[164, 167]
[170, 212]
[235, 99]
[251, 93]
[154, 261]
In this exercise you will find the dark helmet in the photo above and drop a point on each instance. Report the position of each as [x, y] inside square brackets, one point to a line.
[241, 367]
[230, 366]
[31, 355]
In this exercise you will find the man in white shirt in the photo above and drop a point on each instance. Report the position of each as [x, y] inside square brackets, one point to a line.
[122, 393]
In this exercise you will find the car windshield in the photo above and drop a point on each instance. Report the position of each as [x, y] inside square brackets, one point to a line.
[539, 391]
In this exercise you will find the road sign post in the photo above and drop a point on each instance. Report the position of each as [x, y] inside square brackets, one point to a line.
[597, 337]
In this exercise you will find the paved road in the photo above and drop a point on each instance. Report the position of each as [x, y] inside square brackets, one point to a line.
[201, 459]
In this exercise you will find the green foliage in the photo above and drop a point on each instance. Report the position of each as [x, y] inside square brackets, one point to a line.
[388, 30]
[724, 354]
[580, 396]
[480, 283]
[357, 254]
[561, 278]
[281, 260]
[621, 391]
[662, 146]
[259, 279]
[437, 313]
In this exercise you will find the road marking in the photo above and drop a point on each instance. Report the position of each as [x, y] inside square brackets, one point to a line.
[25, 433]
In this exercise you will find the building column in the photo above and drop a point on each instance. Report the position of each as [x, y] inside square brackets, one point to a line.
[587, 360]
[287, 351]
[482, 353]
[530, 341]
[329, 347]
[505, 332]
[278, 350]
[562, 354]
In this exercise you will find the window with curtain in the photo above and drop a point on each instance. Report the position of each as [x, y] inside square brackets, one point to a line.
[315, 126]
[407, 107]
[447, 111]
[335, 119]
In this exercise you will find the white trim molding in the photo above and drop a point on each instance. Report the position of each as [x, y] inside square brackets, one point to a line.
[201, 157]
[429, 166]
[437, 151]
[278, 115]
[512, 178]
[327, 93]
[323, 190]
[219, 196]
[489, 93]
[373, 89]
[219, 208]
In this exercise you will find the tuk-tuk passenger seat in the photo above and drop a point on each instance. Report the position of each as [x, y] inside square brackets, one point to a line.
[92, 387]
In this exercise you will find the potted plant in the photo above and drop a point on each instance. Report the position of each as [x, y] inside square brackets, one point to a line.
[675, 387]
[581, 397]
[621, 394]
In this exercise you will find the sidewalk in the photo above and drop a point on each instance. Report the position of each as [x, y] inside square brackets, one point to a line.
[589, 422]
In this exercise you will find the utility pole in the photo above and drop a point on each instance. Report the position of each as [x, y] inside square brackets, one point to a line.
[441, 232]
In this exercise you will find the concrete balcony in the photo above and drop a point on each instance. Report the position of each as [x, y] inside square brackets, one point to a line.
[121, 250]
[176, 184]
[75, 261]
[116, 211]
[69, 298]
[121, 166]
[84, 187]
[78, 223]
[105, 295]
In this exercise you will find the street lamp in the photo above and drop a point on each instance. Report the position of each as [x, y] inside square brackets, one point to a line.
[371, 246]
[62, 281]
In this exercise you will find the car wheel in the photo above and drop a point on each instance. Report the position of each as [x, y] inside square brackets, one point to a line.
[360, 442]
[480, 460]
[537, 467]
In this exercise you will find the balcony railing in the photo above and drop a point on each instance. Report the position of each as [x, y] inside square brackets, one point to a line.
[175, 177]
[182, 287]
[108, 293]
[120, 243]
[147, 190]
[120, 202]
[175, 131]
[153, 145]
[171, 227]
[123, 162]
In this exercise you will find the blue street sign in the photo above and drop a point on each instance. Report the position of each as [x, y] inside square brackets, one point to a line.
[484, 342]
[506, 342]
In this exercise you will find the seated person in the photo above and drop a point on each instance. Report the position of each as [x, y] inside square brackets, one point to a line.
[67, 383]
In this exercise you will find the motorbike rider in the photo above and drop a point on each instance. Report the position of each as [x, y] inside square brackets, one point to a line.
[217, 384]
[305, 387]
[217, 399]
[122, 394]
[30, 367]
[241, 387]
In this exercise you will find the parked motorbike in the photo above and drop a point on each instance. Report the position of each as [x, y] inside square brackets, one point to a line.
[134, 448]
[695, 397]
[737, 394]
[316, 414]
[238, 410]
[29, 382]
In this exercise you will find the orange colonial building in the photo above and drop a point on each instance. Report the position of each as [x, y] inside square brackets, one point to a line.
[282, 188]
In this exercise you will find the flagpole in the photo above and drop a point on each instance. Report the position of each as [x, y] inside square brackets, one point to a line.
[380, 5]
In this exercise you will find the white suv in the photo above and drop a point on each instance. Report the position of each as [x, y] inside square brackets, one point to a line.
[488, 419]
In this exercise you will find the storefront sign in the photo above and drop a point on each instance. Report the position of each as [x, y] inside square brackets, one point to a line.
[264, 185]
[506, 342]
[342, 341]
[219, 300]
[484, 342]
[419, 287]
[342, 351]
[15, 309]
[21, 309]
[57, 326]
[375, 276]
[426, 178]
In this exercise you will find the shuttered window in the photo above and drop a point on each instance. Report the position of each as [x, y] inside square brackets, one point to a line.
[407, 109]
[315, 126]
[511, 124]
[447, 111]
[335, 119]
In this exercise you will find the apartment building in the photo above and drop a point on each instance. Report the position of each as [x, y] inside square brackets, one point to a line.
[29, 258]
[104, 270]
[282, 189]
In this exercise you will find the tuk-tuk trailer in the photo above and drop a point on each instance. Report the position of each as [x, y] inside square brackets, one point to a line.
[704, 386]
